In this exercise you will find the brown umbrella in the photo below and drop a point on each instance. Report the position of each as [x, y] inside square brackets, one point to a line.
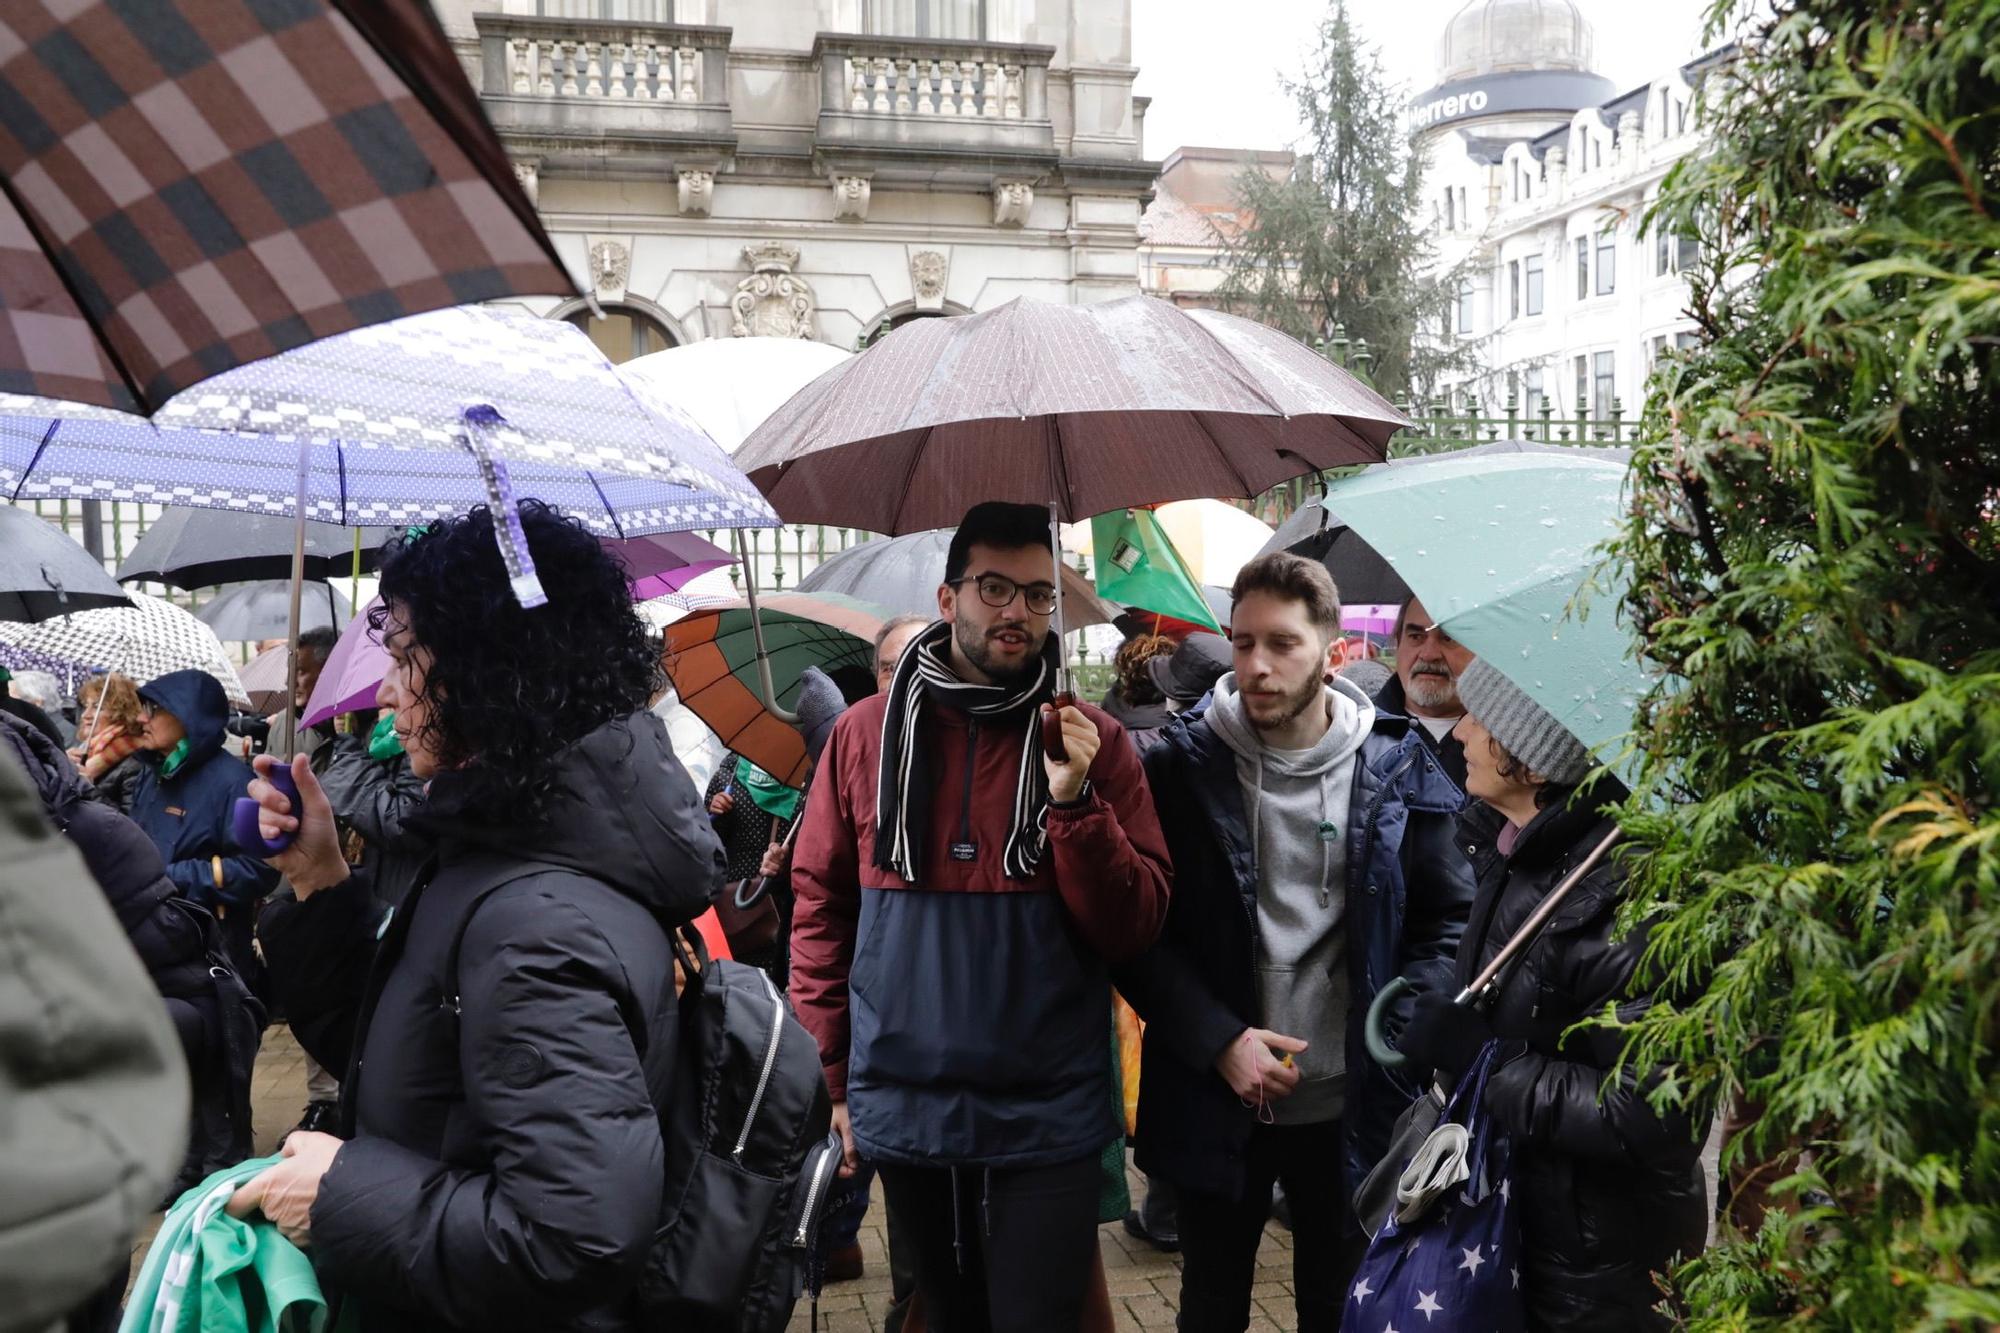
[1083, 408]
[184, 188]
[1091, 408]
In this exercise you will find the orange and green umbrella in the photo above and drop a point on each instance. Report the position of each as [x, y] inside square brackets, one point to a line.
[711, 657]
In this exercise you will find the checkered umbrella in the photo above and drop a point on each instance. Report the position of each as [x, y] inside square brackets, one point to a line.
[188, 187]
[143, 641]
[380, 414]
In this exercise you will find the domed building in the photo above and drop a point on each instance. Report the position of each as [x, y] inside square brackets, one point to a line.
[1539, 174]
[1511, 69]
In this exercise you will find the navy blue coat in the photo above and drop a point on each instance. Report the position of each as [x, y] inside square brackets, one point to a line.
[1409, 890]
[187, 815]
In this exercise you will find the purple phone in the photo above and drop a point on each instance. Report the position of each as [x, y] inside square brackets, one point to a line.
[243, 821]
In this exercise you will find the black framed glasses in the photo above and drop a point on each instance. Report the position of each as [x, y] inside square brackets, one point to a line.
[999, 590]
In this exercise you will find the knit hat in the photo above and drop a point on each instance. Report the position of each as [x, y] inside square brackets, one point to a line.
[1522, 726]
[819, 706]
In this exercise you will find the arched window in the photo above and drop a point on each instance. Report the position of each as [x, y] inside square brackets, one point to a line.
[624, 333]
[927, 18]
[896, 320]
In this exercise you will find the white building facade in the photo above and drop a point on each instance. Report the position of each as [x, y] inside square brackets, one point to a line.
[816, 168]
[1539, 181]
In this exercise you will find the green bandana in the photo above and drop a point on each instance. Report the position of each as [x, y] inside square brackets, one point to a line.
[383, 742]
[773, 797]
[175, 758]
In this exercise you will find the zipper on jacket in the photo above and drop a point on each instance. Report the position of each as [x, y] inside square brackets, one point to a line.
[770, 1063]
[1367, 829]
[815, 1181]
[965, 804]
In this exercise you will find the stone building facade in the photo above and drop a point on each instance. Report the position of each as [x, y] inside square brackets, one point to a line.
[817, 168]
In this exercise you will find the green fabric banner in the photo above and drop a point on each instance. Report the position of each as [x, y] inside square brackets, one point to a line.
[1138, 566]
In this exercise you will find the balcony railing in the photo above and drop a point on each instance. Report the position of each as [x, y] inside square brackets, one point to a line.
[933, 92]
[562, 76]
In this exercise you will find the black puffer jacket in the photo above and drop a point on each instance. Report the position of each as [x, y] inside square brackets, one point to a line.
[122, 859]
[1610, 1190]
[504, 1166]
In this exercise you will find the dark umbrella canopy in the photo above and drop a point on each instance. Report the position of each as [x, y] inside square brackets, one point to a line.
[190, 187]
[901, 575]
[44, 574]
[1360, 573]
[204, 548]
[1091, 407]
[253, 612]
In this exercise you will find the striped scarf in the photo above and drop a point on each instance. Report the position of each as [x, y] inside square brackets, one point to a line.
[904, 785]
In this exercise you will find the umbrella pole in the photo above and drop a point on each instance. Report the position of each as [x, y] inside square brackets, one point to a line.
[291, 733]
[766, 695]
[354, 586]
[1065, 686]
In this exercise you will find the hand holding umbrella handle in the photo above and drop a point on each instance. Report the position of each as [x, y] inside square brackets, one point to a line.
[1052, 731]
[243, 822]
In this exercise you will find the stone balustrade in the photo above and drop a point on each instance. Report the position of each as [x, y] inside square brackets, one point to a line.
[920, 94]
[648, 66]
[557, 86]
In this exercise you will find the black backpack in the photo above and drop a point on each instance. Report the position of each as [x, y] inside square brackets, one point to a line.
[750, 1159]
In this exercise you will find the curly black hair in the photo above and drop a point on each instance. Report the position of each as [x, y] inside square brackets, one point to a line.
[508, 688]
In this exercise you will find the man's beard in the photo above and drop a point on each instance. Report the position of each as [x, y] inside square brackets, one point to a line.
[1295, 704]
[972, 642]
[1434, 690]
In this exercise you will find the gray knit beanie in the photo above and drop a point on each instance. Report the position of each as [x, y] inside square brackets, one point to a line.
[1522, 726]
[819, 706]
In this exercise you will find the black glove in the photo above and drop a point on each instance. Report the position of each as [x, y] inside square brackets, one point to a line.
[1443, 1036]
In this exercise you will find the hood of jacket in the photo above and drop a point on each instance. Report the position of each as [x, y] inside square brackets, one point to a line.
[624, 812]
[53, 776]
[1353, 717]
[196, 698]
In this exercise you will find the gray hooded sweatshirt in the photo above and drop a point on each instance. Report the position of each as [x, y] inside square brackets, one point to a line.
[1297, 801]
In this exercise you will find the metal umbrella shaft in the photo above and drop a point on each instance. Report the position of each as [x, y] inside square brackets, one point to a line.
[289, 738]
[768, 694]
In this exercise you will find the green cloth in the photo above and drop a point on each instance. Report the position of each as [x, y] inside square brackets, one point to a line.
[175, 758]
[773, 797]
[1138, 566]
[383, 742]
[208, 1272]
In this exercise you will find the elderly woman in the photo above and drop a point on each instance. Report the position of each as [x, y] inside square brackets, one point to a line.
[500, 1162]
[1609, 1189]
[109, 735]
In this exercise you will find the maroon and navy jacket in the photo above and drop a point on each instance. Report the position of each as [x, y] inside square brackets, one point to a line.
[966, 1019]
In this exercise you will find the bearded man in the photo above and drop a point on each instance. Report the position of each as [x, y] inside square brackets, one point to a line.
[1425, 687]
[960, 899]
[1312, 838]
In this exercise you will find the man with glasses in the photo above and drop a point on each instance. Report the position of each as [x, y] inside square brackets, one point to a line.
[960, 897]
[1425, 686]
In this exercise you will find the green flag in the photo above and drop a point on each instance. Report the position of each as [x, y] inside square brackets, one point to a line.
[1138, 566]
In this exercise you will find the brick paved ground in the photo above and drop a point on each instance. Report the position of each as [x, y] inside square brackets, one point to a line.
[1144, 1283]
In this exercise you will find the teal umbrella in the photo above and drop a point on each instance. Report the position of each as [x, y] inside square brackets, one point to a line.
[1504, 553]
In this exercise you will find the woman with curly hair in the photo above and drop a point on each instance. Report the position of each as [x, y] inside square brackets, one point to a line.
[499, 1163]
[107, 756]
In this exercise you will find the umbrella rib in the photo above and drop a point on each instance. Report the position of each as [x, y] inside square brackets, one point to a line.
[609, 509]
[29, 470]
[1242, 482]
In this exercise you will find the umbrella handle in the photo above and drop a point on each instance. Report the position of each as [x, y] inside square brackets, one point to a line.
[1052, 732]
[1375, 1031]
[243, 822]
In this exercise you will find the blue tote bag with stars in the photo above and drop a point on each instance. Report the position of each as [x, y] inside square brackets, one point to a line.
[1457, 1266]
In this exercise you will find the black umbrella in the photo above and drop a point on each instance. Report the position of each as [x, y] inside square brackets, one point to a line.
[44, 574]
[1363, 576]
[253, 612]
[201, 548]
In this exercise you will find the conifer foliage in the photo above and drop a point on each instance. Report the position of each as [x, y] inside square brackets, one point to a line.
[1815, 531]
